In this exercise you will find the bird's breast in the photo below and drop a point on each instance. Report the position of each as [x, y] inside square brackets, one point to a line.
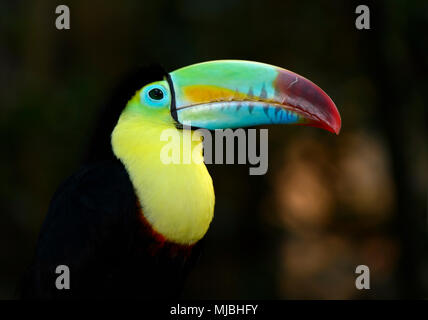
[156, 244]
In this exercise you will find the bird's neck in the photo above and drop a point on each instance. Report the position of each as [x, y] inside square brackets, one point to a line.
[177, 199]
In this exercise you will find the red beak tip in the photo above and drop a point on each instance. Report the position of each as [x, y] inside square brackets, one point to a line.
[337, 128]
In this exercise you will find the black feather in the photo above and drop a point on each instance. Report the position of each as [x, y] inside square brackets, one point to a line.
[93, 227]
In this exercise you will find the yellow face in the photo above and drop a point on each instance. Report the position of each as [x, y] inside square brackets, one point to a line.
[177, 199]
[152, 103]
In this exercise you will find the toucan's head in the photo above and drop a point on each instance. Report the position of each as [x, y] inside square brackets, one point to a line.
[233, 93]
[178, 200]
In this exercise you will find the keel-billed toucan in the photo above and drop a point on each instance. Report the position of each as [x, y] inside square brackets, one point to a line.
[130, 226]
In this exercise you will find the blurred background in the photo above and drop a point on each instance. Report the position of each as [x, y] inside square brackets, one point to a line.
[327, 203]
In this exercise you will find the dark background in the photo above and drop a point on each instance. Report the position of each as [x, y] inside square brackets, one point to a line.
[327, 204]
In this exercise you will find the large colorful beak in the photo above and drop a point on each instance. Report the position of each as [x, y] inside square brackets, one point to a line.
[233, 93]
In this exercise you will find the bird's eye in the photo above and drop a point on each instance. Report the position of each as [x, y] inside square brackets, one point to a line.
[156, 94]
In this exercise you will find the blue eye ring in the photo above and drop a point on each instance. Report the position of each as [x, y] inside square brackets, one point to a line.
[155, 95]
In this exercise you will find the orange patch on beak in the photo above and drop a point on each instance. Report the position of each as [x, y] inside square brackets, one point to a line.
[205, 93]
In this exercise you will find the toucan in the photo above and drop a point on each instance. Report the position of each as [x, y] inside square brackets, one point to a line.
[131, 226]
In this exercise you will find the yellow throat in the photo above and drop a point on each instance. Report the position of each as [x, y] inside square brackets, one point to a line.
[177, 199]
